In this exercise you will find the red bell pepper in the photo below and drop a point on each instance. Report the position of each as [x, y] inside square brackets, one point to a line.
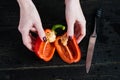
[68, 49]
[45, 50]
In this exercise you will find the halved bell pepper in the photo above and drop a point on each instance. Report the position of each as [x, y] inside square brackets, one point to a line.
[68, 49]
[45, 49]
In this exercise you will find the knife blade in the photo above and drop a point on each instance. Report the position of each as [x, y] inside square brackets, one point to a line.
[92, 39]
[90, 51]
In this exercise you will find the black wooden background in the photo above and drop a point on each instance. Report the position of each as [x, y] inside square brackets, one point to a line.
[18, 63]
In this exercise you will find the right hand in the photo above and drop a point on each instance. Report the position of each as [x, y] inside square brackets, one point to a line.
[29, 21]
[75, 20]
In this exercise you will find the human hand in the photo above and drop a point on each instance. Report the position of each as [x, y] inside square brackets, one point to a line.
[29, 21]
[75, 20]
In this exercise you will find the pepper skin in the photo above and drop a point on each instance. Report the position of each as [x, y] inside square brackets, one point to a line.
[45, 50]
[68, 51]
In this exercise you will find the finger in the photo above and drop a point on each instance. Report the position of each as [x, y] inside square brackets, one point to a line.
[82, 31]
[33, 32]
[27, 39]
[33, 29]
[40, 31]
[33, 42]
[77, 30]
[70, 27]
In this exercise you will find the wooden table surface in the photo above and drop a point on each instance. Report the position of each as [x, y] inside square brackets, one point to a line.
[18, 63]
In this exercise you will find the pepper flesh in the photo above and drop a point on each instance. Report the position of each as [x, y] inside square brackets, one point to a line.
[45, 50]
[69, 52]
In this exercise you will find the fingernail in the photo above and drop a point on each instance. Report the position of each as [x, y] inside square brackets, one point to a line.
[44, 39]
[70, 37]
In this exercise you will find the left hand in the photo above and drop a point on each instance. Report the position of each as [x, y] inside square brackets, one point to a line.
[75, 19]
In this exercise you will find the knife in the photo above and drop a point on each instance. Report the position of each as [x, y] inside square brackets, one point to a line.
[90, 50]
[92, 41]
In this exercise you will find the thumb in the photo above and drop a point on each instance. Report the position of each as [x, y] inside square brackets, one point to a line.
[40, 31]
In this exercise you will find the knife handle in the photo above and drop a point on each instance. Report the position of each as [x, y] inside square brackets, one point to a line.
[99, 13]
[99, 16]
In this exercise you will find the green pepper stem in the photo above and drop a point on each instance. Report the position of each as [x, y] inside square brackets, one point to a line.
[58, 26]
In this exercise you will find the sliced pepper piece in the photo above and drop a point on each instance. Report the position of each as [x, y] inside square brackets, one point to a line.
[68, 49]
[45, 50]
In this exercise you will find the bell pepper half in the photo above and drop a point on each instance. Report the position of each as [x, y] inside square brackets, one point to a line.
[45, 49]
[68, 49]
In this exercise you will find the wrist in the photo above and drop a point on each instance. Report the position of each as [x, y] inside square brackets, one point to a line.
[25, 3]
[71, 1]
